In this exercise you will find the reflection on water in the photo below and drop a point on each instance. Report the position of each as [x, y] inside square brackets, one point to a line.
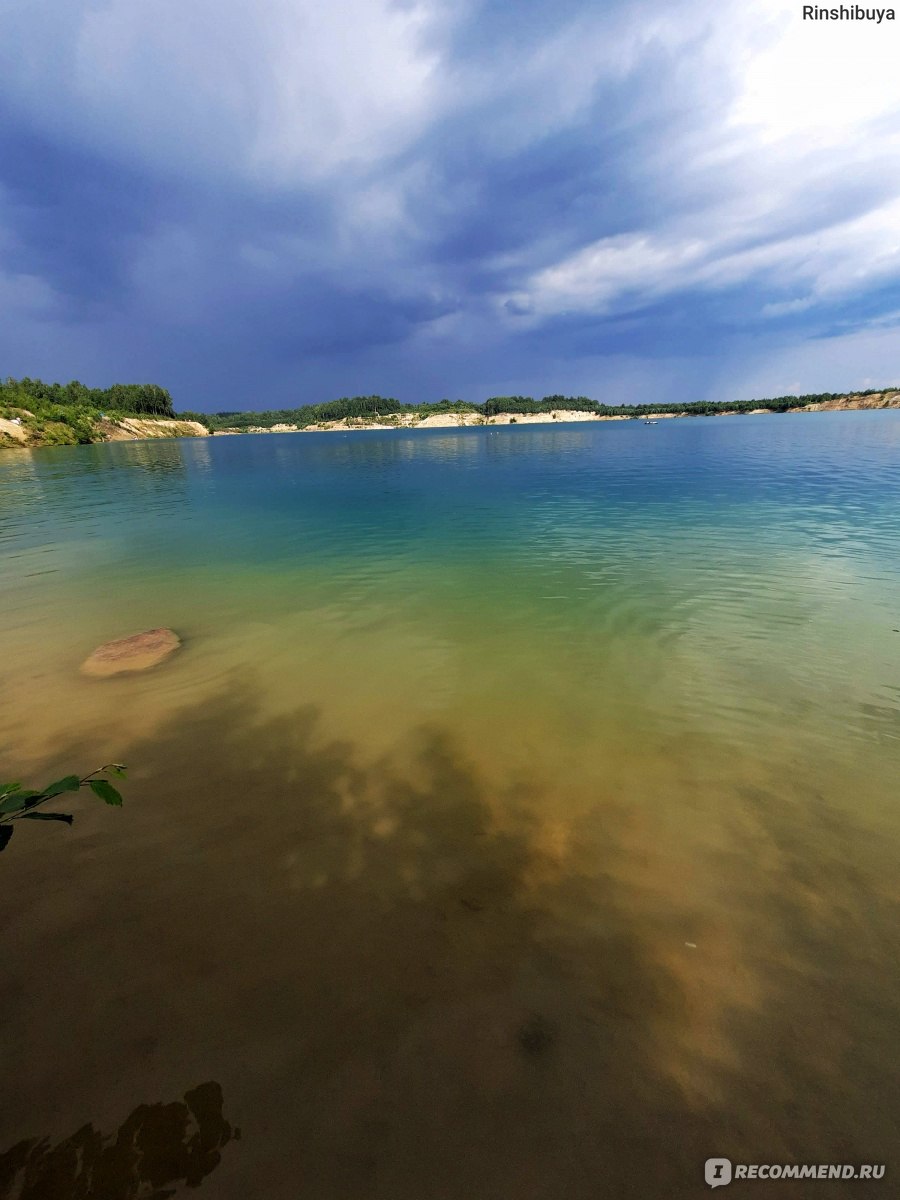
[419, 982]
[165, 458]
[158, 1145]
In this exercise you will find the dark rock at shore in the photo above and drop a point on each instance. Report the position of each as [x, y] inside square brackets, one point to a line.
[138, 652]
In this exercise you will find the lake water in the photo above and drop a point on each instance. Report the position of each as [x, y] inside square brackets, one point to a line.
[519, 820]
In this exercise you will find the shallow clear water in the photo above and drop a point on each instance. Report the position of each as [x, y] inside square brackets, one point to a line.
[519, 818]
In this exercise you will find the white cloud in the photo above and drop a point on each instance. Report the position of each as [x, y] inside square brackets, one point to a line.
[817, 79]
[806, 114]
[631, 270]
[273, 90]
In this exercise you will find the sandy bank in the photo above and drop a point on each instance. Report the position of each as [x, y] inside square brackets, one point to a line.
[442, 421]
[20, 429]
[26, 431]
[129, 429]
[16, 431]
[846, 403]
[565, 416]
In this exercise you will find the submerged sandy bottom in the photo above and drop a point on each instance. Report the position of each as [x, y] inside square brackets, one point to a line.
[517, 821]
[430, 947]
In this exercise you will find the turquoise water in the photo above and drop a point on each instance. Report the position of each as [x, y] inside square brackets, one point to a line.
[520, 813]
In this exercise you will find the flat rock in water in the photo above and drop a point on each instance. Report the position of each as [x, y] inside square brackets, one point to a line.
[136, 653]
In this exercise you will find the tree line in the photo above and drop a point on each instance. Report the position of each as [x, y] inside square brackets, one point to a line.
[375, 407]
[148, 399]
[369, 408]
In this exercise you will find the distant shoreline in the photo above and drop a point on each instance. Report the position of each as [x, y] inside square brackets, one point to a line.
[19, 431]
[460, 420]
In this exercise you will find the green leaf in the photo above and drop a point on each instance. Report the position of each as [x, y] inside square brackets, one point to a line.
[6, 788]
[117, 769]
[6, 832]
[67, 817]
[106, 791]
[71, 783]
[17, 801]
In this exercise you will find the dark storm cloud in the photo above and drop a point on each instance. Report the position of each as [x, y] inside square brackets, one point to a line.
[274, 203]
[71, 213]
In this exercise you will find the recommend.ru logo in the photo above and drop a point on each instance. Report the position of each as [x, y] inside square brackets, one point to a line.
[719, 1171]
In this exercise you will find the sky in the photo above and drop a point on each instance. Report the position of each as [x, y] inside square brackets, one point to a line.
[266, 203]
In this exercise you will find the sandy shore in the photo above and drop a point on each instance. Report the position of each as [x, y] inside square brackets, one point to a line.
[556, 416]
[435, 421]
[130, 429]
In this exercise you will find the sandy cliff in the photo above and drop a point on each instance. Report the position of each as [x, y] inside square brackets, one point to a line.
[13, 432]
[130, 429]
[879, 400]
[23, 429]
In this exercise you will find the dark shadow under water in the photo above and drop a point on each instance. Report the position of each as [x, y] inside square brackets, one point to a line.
[158, 1145]
[406, 995]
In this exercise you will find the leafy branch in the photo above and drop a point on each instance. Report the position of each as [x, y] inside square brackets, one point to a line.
[19, 804]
